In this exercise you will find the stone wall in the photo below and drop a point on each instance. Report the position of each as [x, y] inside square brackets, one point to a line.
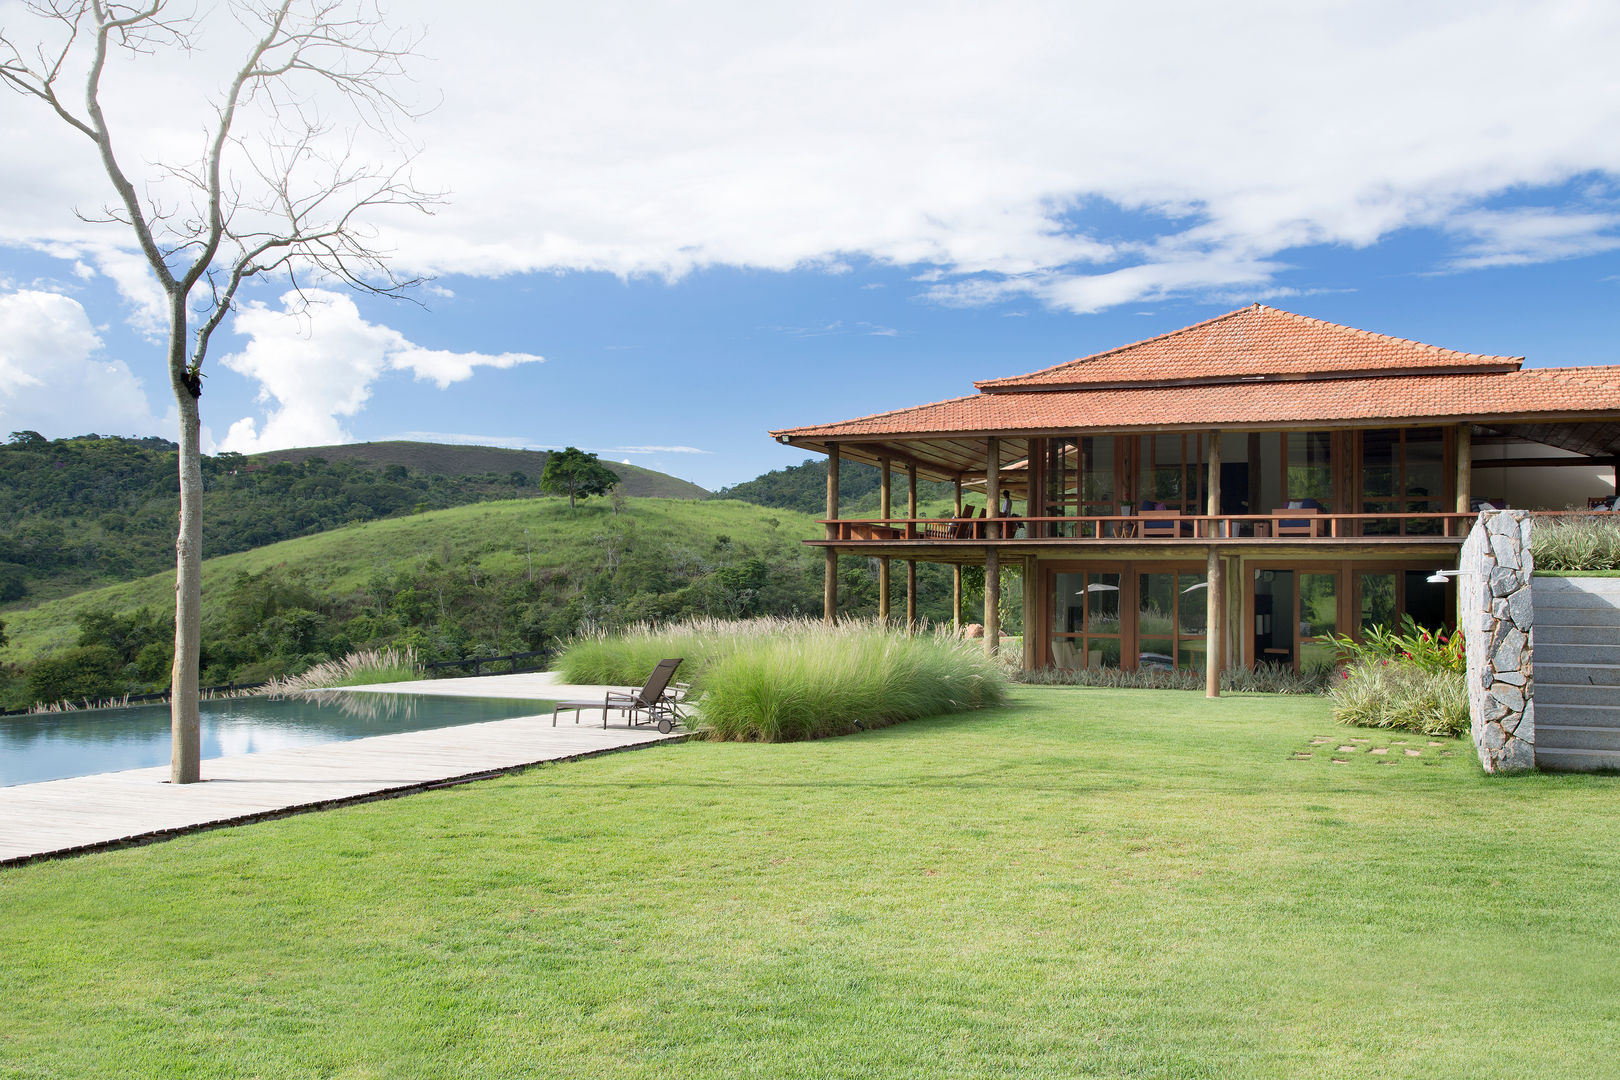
[1497, 618]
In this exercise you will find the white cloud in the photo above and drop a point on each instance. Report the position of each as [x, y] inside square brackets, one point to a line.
[53, 378]
[971, 140]
[316, 359]
[654, 450]
[1530, 235]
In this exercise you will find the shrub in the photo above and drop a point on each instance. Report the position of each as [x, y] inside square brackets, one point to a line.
[776, 680]
[1429, 650]
[1577, 542]
[1266, 679]
[84, 671]
[1383, 693]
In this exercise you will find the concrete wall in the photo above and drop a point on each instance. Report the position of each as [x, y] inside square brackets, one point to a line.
[1578, 673]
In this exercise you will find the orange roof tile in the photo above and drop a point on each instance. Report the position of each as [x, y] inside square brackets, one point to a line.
[1479, 396]
[1251, 342]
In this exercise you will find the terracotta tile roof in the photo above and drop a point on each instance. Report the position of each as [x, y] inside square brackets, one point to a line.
[1251, 342]
[1480, 396]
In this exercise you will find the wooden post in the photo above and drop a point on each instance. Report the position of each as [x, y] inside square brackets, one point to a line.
[1031, 613]
[1214, 484]
[911, 532]
[884, 504]
[992, 601]
[1465, 468]
[992, 488]
[956, 569]
[1215, 623]
[829, 598]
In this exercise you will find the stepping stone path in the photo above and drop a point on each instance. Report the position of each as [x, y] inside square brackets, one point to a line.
[1385, 750]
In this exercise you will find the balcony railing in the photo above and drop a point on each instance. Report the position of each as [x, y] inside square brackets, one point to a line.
[1150, 525]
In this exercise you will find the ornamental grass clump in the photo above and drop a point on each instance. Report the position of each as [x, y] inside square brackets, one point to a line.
[781, 680]
[1392, 694]
[364, 668]
[1411, 679]
[1576, 542]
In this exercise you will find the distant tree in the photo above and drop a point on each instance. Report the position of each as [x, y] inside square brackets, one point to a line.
[288, 196]
[27, 438]
[575, 473]
[3, 638]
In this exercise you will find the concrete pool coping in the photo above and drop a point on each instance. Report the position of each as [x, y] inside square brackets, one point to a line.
[61, 817]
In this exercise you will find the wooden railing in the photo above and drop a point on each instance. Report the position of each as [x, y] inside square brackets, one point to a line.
[1155, 525]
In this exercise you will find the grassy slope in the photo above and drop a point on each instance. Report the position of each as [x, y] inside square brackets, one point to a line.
[452, 460]
[345, 559]
[1086, 883]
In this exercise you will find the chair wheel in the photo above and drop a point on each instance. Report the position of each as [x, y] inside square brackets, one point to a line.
[665, 727]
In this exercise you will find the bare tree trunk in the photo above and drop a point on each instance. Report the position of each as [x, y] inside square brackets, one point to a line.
[184, 723]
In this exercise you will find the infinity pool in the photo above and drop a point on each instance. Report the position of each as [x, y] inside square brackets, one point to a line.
[53, 746]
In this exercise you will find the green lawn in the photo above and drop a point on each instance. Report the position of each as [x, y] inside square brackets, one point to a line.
[1086, 883]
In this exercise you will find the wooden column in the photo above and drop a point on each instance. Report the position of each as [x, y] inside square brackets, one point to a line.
[1465, 467]
[829, 599]
[884, 506]
[992, 601]
[911, 532]
[1215, 623]
[992, 557]
[1214, 482]
[1031, 613]
[992, 487]
[956, 570]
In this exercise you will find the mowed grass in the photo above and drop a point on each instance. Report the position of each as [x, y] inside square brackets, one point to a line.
[1084, 883]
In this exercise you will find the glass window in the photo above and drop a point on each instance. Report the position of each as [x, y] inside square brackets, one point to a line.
[1310, 467]
[1102, 603]
[1378, 601]
[1378, 463]
[1274, 617]
[1318, 605]
[1069, 605]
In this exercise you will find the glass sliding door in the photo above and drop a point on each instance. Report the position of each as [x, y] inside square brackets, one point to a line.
[1087, 625]
[1171, 619]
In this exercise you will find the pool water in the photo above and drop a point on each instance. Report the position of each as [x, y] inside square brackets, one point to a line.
[53, 746]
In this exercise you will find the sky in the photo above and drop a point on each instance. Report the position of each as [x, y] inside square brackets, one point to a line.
[668, 228]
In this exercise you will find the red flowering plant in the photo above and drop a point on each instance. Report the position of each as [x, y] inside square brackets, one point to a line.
[1431, 650]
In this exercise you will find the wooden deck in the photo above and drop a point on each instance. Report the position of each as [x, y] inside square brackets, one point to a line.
[60, 817]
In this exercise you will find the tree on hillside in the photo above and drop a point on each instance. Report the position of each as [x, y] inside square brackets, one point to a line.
[277, 190]
[575, 473]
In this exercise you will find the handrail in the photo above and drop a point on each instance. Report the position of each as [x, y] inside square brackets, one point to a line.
[1320, 525]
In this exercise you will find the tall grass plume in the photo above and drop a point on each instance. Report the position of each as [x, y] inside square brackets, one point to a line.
[778, 680]
[364, 668]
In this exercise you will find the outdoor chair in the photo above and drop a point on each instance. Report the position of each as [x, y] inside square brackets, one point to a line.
[1300, 526]
[658, 700]
[1160, 523]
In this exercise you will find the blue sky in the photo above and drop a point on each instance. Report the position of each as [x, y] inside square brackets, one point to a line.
[720, 224]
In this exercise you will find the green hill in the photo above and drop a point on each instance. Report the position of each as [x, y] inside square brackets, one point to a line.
[803, 488]
[483, 579]
[87, 511]
[447, 459]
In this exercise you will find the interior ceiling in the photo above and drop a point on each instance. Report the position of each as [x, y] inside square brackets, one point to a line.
[1599, 438]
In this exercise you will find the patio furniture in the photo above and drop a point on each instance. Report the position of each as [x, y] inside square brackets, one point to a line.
[1160, 523]
[658, 700]
[1300, 526]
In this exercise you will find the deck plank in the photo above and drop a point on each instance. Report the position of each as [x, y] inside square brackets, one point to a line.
[56, 817]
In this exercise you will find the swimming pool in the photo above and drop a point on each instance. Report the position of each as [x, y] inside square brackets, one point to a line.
[54, 746]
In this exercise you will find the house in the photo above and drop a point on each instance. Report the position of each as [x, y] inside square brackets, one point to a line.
[1271, 476]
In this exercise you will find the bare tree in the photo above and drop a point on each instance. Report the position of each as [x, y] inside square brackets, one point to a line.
[277, 189]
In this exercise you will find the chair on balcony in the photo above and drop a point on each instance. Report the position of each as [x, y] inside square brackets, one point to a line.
[1161, 523]
[1300, 526]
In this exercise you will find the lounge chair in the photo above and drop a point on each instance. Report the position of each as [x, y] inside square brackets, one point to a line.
[658, 700]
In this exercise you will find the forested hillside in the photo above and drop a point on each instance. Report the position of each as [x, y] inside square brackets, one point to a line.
[86, 511]
[804, 488]
[471, 461]
[470, 581]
